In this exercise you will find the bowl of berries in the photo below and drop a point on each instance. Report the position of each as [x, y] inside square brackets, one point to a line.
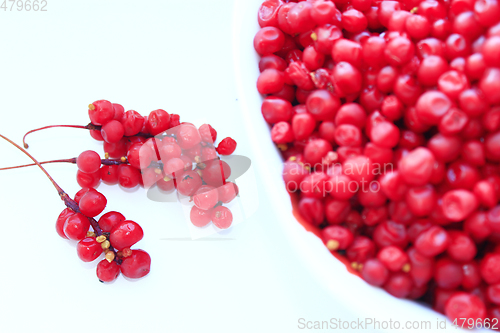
[384, 118]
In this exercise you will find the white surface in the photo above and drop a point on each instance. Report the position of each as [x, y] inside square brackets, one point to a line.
[176, 55]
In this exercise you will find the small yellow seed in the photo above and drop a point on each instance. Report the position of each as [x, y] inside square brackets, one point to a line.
[293, 158]
[167, 179]
[91, 107]
[354, 265]
[123, 159]
[332, 245]
[100, 239]
[406, 268]
[314, 36]
[157, 171]
[360, 267]
[90, 234]
[414, 10]
[105, 245]
[282, 147]
[197, 159]
[106, 155]
[110, 256]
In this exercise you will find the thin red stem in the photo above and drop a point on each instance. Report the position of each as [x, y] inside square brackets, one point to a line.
[70, 203]
[68, 160]
[90, 127]
[54, 126]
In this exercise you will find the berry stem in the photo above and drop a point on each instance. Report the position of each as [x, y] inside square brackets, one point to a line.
[69, 160]
[70, 203]
[90, 127]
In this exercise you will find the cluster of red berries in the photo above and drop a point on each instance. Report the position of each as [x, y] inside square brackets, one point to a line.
[147, 151]
[388, 116]
[160, 150]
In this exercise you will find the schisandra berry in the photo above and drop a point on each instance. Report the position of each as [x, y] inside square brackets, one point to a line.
[107, 271]
[200, 217]
[222, 217]
[137, 265]
[88, 161]
[125, 234]
[100, 112]
[88, 249]
[92, 203]
[226, 147]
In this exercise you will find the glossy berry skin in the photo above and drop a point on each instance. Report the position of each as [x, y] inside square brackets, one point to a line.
[113, 131]
[128, 176]
[107, 271]
[88, 161]
[416, 167]
[109, 174]
[137, 265]
[92, 203]
[206, 197]
[158, 122]
[88, 180]
[200, 217]
[432, 242]
[109, 220]
[374, 272]
[61, 219]
[341, 236]
[268, 40]
[100, 112]
[76, 227]
[489, 268]
[132, 122]
[226, 147]
[222, 217]
[88, 249]
[464, 305]
[125, 234]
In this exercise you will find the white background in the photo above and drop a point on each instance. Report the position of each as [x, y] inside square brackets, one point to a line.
[175, 55]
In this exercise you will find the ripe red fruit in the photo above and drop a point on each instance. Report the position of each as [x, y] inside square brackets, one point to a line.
[92, 203]
[226, 147]
[107, 271]
[125, 235]
[222, 217]
[88, 249]
[137, 265]
[100, 112]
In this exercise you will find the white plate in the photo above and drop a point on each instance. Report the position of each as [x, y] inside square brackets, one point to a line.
[361, 299]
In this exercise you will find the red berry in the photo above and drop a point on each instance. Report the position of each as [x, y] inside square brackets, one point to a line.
[137, 265]
[222, 217]
[101, 112]
[88, 249]
[92, 203]
[107, 271]
[200, 217]
[125, 234]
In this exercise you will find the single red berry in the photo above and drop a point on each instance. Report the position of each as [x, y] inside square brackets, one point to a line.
[226, 147]
[222, 217]
[61, 219]
[137, 265]
[206, 197]
[125, 234]
[88, 161]
[92, 203]
[101, 112]
[76, 226]
[109, 220]
[88, 249]
[107, 271]
[200, 217]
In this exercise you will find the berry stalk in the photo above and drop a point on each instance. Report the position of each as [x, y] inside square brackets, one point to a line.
[70, 203]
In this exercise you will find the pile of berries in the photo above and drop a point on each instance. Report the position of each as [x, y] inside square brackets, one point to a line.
[388, 116]
[156, 150]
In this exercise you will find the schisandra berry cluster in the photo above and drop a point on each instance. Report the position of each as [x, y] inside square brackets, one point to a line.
[413, 86]
[156, 150]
